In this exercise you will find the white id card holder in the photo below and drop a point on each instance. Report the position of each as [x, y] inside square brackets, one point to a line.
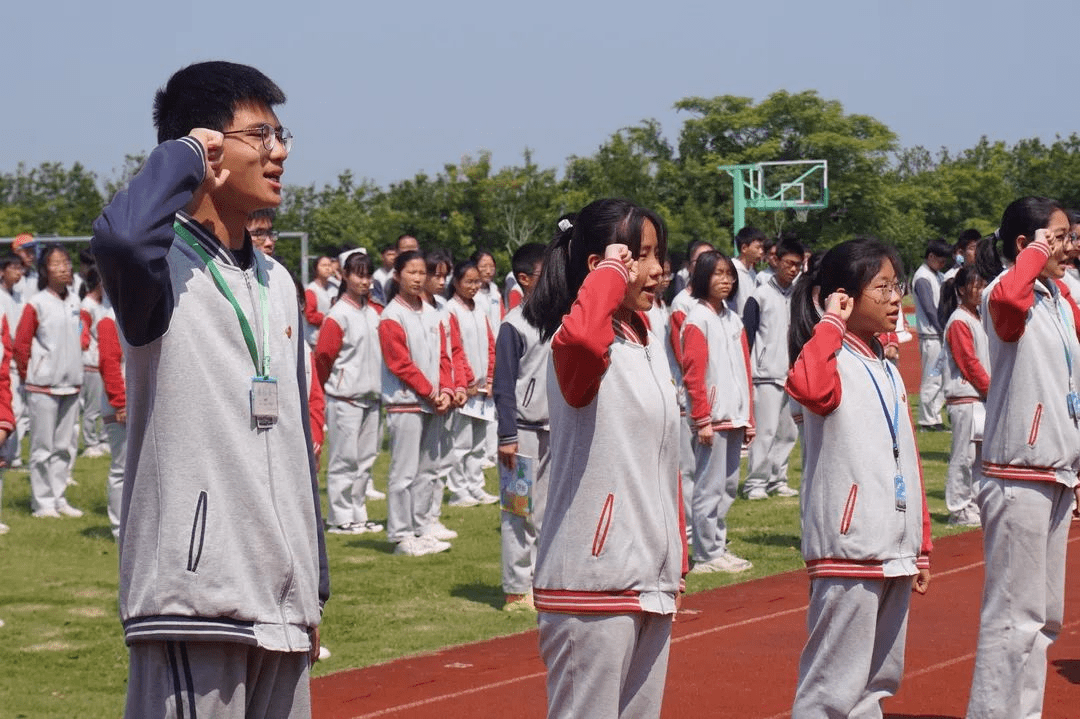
[264, 404]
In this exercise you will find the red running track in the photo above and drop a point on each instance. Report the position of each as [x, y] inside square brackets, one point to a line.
[734, 653]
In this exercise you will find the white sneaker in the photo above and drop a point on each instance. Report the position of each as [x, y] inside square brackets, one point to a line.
[369, 526]
[373, 493]
[67, 510]
[465, 501]
[785, 491]
[347, 528]
[432, 545]
[324, 653]
[72, 482]
[4, 529]
[93, 452]
[438, 530]
[483, 497]
[46, 514]
[726, 562]
[756, 494]
[17, 463]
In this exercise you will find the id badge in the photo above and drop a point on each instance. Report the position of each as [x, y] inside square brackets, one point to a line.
[900, 490]
[264, 404]
[1074, 405]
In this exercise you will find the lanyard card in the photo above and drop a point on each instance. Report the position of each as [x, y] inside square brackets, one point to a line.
[515, 486]
[264, 401]
[901, 492]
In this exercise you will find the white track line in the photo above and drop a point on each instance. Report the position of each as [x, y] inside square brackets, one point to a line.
[695, 635]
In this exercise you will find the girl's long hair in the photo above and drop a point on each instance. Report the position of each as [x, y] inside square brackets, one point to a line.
[400, 261]
[566, 260]
[950, 292]
[356, 263]
[849, 266]
[1021, 218]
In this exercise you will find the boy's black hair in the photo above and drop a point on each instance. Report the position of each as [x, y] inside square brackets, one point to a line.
[266, 213]
[703, 272]
[526, 258]
[747, 235]
[9, 260]
[967, 237]
[938, 248]
[207, 94]
[790, 246]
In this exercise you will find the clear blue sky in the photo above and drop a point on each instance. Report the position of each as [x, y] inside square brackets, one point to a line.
[389, 89]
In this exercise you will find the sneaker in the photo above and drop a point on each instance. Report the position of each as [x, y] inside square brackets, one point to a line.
[757, 493]
[372, 493]
[438, 530]
[324, 653]
[965, 518]
[347, 528]
[67, 510]
[373, 527]
[487, 464]
[4, 529]
[785, 491]
[465, 501]
[519, 603]
[726, 562]
[93, 452]
[71, 482]
[46, 514]
[433, 545]
[17, 463]
[483, 497]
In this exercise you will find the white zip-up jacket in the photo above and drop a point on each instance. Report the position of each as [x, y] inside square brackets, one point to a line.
[348, 357]
[48, 344]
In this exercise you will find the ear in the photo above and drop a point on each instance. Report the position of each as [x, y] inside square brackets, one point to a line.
[1021, 242]
[593, 261]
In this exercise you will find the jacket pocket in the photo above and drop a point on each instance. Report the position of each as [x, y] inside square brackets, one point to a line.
[849, 509]
[603, 525]
[528, 392]
[198, 533]
[1035, 421]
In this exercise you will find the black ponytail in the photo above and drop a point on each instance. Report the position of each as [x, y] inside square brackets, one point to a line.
[950, 291]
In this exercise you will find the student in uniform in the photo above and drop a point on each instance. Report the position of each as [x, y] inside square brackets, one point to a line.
[926, 286]
[491, 298]
[750, 248]
[113, 411]
[767, 316]
[863, 484]
[48, 351]
[716, 366]
[520, 391]
[1030, 459]
[469, 318]
[318, 297]
[7, 416]
[91, 310]
[611, 551]
[416, 392]
[348, 364]
[966, 382]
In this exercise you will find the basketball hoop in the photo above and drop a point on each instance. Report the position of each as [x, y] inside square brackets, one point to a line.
[802, 213]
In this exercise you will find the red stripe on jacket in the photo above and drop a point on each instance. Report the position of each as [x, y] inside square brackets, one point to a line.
[311, 309]
[7, 416]
[327, 349]
[814, 381]
[462, 371]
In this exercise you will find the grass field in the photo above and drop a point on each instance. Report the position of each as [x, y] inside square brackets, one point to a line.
[62, 652]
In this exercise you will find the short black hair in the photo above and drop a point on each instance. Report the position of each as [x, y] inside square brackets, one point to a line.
[790, 246]
[939, 248]
[207, 94]
[703, 272]
[747, 235]
[968, 237]
[266, 213]
[526, 258]
[7, 261]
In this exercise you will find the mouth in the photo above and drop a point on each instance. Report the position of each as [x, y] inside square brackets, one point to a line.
[274, 176]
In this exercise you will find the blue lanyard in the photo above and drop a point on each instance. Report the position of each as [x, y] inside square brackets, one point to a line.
[892, 420]
[1062, 329]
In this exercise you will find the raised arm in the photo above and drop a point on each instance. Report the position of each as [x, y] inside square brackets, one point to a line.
[1014, 294]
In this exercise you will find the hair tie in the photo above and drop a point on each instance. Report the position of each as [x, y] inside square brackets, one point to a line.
[565, 224]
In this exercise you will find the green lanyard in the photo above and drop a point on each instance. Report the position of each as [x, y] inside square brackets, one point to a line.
[245, 326]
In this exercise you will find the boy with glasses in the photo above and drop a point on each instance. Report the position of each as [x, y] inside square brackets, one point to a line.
[223, 569]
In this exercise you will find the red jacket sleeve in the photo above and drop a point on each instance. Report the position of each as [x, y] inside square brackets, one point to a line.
[84, 329]
[446, 366]
[814, 381]
[1064, 288]
[581, 346]
[463, 376]
[24, 338]
[327, 349]
[112, 360]
[515, 297]
[316, 407]
[1014, 294]
[695, 354]
[675, 338]
[311, 309]
[491, 354]
[7, 416]
[395, 349]
[962, 345]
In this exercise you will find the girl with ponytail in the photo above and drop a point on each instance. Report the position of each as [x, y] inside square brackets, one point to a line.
[611, 551]
[866, 529]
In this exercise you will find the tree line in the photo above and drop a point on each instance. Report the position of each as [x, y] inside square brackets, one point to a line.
[905, 196]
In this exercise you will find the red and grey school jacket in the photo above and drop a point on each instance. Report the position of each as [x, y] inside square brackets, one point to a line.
[473, 325]
[111, 366]
[853, 524]
[1031, 327]
[416, 366]
[520, 384]
[90, 311]
[317, 303]
[767, 315]
[348, 357]
[48, 344]
[716, 364]
[613, 539]
[967, 361]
